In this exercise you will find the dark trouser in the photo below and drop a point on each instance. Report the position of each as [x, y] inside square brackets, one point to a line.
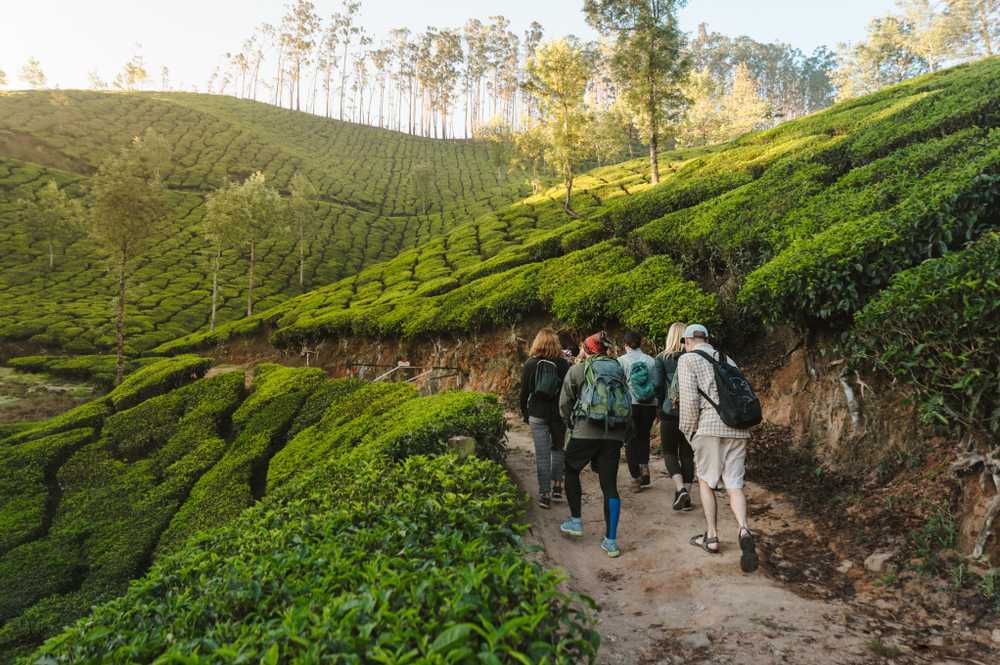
[637, 450]
[606, 455]
[677, 452]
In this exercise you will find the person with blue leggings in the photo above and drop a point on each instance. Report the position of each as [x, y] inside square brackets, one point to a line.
[591, 443]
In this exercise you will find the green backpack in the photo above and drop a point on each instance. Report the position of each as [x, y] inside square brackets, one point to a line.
[641, 382]
[604, 398]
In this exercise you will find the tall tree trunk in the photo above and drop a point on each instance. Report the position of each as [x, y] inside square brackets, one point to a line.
[654, 141]
[215, 288]
[985, 27]
[298, 84]
[52, 257]
[343, 79]
[120, 323]
[253, 261]
[302, 257]
[569, 193]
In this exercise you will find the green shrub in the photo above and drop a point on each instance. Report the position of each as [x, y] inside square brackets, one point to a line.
[935, 328]
[99, 369]
[387, 559]
[157, 378]
[105, 512]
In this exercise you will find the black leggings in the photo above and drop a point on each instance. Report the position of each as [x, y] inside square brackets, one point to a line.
[637, 450]
[677, 452]
[580, 453]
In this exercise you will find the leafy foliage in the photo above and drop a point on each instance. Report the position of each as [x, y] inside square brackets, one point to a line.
[356, 499]
[367, 209]
[936, 327]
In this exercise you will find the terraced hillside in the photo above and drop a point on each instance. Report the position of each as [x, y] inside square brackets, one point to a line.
[374, 204]
[92, 498]
[807, 223]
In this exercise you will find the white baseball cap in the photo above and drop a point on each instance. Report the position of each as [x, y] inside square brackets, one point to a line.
[696, 330]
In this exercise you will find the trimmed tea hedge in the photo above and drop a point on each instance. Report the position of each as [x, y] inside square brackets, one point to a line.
[351, 495]
[803, 223]
[936, 328]
[369, 207]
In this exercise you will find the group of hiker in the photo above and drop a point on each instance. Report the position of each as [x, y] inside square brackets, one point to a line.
[583, 410]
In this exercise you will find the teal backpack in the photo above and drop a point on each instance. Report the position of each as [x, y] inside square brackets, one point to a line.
[604, 398]
[641, 382]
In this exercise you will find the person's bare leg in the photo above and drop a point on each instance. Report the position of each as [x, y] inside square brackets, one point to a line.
[711, 511]
[678, 482]
[738, 502]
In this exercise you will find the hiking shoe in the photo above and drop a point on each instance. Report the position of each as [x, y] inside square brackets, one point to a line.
[572, 527]
[611, 547]
[682, 500]
[557, 491]
[644, 478]
[544, 501]
[748, 560]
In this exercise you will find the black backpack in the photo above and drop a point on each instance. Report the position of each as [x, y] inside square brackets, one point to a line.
[739, 406]
[547, 381]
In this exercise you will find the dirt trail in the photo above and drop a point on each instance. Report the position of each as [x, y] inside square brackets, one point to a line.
[664, 601]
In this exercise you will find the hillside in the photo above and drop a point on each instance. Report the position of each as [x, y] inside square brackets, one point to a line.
[806, 224]
[372, 206]
[91, 499]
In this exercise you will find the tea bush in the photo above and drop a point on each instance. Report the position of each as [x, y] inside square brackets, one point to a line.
[356, 475]
[935, 328]
[369, 207]
[99, 369]
[804, 223]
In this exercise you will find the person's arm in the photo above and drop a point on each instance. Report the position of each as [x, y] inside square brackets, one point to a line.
[527, 379]
[690, 400]
[657, 377]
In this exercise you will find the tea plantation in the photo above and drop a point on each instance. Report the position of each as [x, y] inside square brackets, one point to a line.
[359, 519]
[372, 204]
[807, 224]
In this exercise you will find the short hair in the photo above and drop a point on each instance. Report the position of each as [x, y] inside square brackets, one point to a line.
[546, 344]
[633, 340]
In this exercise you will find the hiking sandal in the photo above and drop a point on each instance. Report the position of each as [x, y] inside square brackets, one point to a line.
[748, 545]
[702, 541]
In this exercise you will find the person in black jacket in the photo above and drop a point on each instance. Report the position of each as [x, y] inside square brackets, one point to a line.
[541, 382]
[677, 452]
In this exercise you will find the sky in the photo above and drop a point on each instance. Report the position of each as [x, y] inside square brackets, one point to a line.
[74, 37]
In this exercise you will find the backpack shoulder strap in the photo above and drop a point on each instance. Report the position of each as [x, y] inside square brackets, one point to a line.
[708, 356]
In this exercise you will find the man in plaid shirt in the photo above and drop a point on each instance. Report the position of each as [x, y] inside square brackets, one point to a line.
[719, 450]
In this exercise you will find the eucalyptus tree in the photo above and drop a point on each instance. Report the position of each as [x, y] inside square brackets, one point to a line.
[32, 74]
[346, 28]
[649, 61]
[50, 216]
[128, 216]
[300, 27]
[302, 214]
[557, 75]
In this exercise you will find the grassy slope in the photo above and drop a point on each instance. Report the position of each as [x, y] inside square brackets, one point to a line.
[371, 208]
[89, 500]
[803, 223]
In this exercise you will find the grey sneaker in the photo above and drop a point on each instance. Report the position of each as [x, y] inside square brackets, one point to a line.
[611, 547]
[544, 501]
[572, 527]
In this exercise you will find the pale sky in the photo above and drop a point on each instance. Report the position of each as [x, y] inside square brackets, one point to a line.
[73, 37]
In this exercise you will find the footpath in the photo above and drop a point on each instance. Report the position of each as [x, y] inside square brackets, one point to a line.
[666, 602]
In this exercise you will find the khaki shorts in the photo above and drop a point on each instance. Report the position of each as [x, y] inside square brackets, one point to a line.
[716, 459]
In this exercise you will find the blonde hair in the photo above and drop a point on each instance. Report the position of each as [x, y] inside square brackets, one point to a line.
[546, 344]
[674, 336]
